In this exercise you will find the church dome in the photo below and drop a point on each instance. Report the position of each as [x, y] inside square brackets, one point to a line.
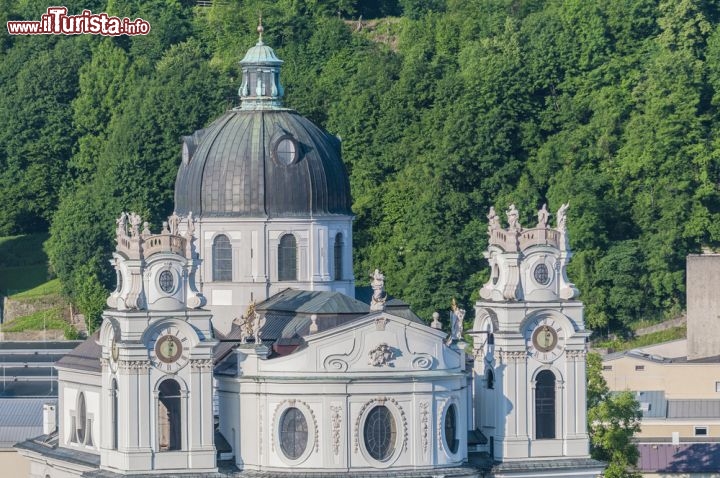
[261, 159]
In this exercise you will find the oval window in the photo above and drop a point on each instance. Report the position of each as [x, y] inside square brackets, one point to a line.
[293, 433]
[379, 433]
[451, 429]
[167, 281]
[286, 151]
[542, 275]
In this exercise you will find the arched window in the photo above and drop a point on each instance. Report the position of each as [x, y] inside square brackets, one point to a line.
[545, 405]
[380, 432]
[293, 433]
[451, 429]
[287, 258]
[114, 399]
[169, 416]
[222, 259]
[80, 418]
[338, 256]
[490, 379]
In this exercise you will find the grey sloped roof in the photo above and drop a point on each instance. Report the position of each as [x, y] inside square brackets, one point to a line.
[546, 465]
[693, 409]
[232, 171]
[652, 403]
[313, 302]
[21, 418]
[85, 356]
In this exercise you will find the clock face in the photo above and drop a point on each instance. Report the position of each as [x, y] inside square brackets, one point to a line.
[169, 349]
[545, 339]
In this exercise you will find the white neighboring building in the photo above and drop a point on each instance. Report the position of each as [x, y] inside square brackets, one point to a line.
[311, 379]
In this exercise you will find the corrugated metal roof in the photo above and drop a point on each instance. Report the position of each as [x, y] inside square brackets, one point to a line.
[85, 356]
[21, 418]
[693, 409]
[683, 458]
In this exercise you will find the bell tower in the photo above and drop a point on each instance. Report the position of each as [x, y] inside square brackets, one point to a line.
[530, 347]
[157, 355]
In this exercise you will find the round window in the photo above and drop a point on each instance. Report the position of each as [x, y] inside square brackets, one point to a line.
[451, 429]
[379, 433]
[293, 433]
[286, 151]
[542, 275]
[167, 281]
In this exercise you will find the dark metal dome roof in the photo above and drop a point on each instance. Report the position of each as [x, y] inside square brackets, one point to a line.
[239, 166]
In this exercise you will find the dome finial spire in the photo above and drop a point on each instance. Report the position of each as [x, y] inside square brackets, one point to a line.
[260, 29]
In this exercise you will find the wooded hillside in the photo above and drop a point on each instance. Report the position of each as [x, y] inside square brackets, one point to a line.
[445, 108]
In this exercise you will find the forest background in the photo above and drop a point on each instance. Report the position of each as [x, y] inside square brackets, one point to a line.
[444, 107]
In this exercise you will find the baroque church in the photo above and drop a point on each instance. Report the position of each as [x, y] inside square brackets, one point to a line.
[236, 343]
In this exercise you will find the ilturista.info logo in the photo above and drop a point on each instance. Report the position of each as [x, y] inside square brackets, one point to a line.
[57, 22]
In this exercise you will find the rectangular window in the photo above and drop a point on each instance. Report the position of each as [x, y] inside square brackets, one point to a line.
[717, 386]
[607, 367]
[701, 431]
[639, 368]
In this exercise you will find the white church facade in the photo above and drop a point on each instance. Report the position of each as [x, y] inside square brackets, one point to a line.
[234, 345]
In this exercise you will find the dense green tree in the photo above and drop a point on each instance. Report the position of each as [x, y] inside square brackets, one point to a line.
[613, 419]
[444, 110]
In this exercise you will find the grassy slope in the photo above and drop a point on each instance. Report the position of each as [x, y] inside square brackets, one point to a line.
[23, 263]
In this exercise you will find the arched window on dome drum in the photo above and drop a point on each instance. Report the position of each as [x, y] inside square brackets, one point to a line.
[545, 405]
[287, 258]
[169, 416]
[222, 259]
[338, 257]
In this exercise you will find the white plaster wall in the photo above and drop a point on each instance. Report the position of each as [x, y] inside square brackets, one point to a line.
[335, 402]
[255, 245]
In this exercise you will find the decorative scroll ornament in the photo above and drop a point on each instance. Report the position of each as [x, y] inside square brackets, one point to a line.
[381, 355]
[336, 363]
[378, 286]
[422, 361]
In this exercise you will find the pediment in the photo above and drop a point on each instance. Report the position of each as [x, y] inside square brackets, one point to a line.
[378, 343]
